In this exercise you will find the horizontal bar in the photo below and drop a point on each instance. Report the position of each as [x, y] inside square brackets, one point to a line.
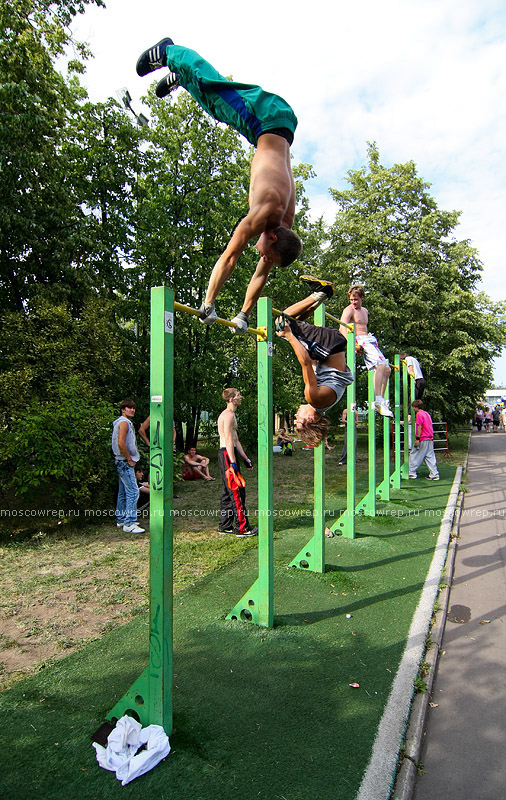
[260, 332]
[284, 314]
[340, 321]
[294, 319]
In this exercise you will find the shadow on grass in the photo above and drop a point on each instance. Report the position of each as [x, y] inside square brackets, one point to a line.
[257, 714]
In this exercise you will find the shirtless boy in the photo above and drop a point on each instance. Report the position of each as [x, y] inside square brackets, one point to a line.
[196, 466]
[373, 357]
[268, 123]
[320, 353]
[233, 517]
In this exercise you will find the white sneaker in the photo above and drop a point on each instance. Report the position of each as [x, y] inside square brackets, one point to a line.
[413, 477]
[119, 524]
[383, 409]
[133, 528]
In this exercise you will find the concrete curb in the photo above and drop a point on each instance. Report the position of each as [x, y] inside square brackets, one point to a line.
[380, 773]
[415, 732]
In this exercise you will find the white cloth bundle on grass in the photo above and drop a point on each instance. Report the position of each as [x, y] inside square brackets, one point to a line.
[121, 754]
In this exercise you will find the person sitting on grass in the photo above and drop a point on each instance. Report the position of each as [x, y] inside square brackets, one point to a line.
[285, 442]
[196, 466]
[320, 353]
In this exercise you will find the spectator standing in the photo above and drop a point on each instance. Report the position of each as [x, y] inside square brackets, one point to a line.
[126, 455]
[233, 516]
[415, 370]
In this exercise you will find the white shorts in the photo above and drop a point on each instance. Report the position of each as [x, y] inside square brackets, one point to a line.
[370, 350]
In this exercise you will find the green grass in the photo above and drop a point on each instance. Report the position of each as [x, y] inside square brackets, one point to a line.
[257, 713]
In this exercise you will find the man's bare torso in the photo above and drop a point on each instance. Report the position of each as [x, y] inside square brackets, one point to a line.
[360, 317]
[227, 422]
[271, 181]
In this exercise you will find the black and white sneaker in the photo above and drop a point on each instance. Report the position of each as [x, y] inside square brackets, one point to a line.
[317, 285]
[252, 532]
[228, 530]
[167, 84]
[154, 58]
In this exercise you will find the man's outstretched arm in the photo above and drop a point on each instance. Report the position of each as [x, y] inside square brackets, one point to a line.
[253, 224]
[256, 284]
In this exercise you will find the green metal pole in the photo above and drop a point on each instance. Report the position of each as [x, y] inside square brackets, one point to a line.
[395, 478]
[405, 412]
[318, 550]
[312, 556]
[383, 490]
[257, 605]
[411, 409]
[150, 696]
[367, 505]
[345, 524]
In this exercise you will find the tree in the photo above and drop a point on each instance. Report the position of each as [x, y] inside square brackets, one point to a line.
[35, 209]
[420, 282]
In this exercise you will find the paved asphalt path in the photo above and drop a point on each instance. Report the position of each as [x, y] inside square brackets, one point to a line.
[464, 754]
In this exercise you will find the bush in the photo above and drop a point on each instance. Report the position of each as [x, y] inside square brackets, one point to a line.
[62, 449]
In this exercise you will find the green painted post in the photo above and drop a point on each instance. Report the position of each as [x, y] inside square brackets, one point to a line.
[345, 524]
[257, 605]
[395, 478]
[312, 556]
[150, 696]
[367, 505]
[411, 409]
[405, 412]
[383, 491]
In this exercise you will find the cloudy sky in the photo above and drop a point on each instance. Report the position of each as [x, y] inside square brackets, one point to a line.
[424, 79]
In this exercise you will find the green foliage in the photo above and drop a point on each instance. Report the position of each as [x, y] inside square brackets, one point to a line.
[62, 448]
[37, 211]
[59, 378]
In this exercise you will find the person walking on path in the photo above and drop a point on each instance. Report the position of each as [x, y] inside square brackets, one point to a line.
[424, 444]
[320, 353]
[126, 455]
[268, 123]
[496, 418]
[415, 370]
[233, 516]
[479, 419]
[374, 359]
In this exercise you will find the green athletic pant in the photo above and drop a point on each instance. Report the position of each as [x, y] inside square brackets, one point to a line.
[245, 107]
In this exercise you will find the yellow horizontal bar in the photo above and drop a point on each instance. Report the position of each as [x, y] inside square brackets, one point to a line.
[348, 325]
[260, 332]
[340, 321]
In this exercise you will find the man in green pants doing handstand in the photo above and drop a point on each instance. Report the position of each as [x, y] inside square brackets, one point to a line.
[268, 122]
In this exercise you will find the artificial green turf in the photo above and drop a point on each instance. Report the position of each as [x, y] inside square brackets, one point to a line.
[258, 714]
